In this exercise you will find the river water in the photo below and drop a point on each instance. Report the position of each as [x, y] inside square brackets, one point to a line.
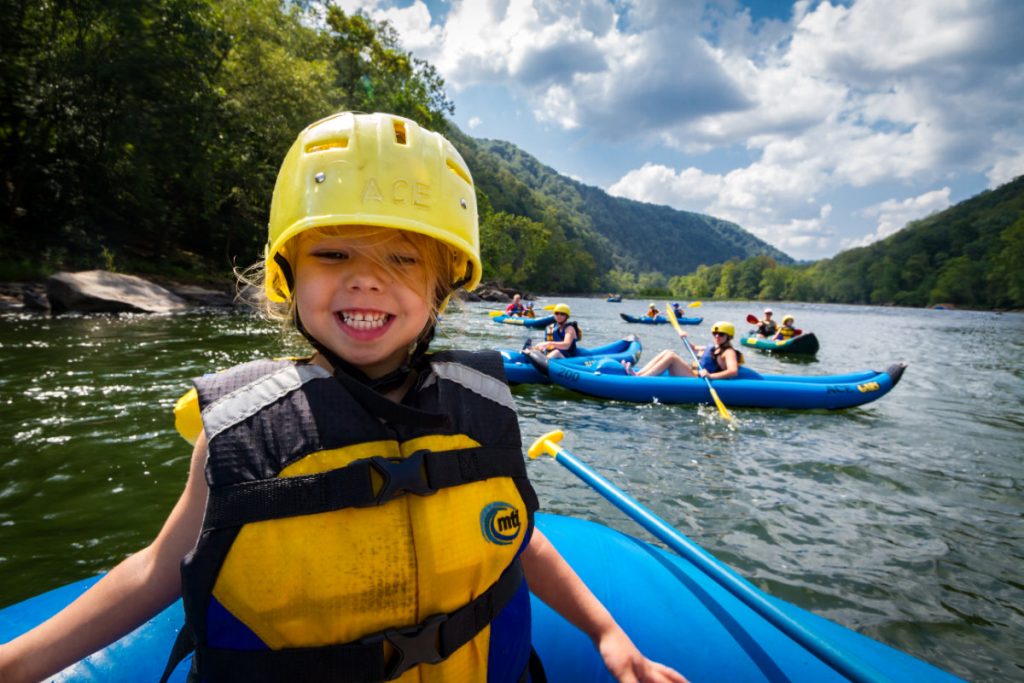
[902, 519]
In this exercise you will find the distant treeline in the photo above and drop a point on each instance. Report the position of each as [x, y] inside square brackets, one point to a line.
[971, 255]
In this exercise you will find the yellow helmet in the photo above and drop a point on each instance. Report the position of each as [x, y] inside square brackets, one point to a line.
[723, 326]
[561, 308]
[787, 319]
[378, 170]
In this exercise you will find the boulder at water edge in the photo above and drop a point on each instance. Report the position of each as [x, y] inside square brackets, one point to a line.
[100, 291]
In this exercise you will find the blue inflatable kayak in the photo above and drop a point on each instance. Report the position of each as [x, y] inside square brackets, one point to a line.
[659, 320]
[519, 369]
[805, 343]
[524, 322]
[669, 607]
[750, 389]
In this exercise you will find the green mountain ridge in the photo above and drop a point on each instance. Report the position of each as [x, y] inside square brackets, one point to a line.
[969, 255]
[619, 233]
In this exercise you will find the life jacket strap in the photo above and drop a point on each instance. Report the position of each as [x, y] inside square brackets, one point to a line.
[422, 473]
[433, 640]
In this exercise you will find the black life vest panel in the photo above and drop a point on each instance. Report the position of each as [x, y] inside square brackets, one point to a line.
[296, 467]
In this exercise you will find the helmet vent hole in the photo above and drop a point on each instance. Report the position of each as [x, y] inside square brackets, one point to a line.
[399, 132]
[324, 145]
[458, 170]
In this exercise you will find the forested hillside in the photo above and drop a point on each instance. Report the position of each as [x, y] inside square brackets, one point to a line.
[145, 137]
[971, 254]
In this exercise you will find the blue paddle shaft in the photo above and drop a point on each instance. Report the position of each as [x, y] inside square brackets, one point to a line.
[853, 669]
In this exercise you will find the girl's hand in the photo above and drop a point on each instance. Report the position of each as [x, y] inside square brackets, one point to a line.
[628, 664]
[703, 372]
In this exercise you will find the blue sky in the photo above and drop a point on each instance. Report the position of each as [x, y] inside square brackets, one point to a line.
[817, 126]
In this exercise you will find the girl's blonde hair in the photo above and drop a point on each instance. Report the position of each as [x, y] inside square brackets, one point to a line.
[438, 261]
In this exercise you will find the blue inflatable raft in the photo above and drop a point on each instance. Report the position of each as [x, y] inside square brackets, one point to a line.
[519, 369]
[659, 320]
[750, 389]
[524, 322]
[671, 609]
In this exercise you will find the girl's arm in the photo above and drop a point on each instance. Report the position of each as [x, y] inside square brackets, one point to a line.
[132, 593]
[552, 580]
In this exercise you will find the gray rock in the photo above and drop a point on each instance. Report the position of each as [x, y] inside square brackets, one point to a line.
[100, 291]
[201, 296]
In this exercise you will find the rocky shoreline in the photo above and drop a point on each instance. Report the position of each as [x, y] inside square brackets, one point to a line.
[101, 291]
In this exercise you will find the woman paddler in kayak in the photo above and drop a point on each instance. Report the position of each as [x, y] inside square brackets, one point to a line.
[561, 336]
[307, 544]
[718, 360]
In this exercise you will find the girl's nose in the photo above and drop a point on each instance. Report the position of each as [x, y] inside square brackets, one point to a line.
[365, 274]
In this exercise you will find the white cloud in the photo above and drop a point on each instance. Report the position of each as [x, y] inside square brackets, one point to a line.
[894, 214]
[474, 122]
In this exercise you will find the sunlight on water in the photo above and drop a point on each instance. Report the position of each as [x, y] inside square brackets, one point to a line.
[900, 519]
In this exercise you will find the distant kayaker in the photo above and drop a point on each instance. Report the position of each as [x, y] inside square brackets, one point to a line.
[561, 336]
[516, 306]
[718, 360]
[529, 312]
[652, 311]
[766, 327]
[787, 331]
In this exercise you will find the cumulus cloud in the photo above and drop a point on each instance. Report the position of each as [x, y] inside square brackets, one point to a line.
[893, 215]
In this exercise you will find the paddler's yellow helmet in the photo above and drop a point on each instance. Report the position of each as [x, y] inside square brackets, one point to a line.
[376, 170]
[561, 308]
[725, 327]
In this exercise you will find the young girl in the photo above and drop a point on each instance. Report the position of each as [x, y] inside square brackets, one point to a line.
[362, 514]
[717, 361]
[786, 331]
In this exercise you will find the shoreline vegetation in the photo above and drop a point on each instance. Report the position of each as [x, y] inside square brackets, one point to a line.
[39, 296]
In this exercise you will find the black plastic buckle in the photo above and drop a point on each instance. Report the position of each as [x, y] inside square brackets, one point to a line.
[402, 475]
[414, 645]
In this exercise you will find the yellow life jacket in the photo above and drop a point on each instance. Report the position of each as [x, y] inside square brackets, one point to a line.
[354, 544]
[786, 332]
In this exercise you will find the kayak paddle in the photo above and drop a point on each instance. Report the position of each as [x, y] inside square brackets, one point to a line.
[847, 665]
[752, 319]
[714, 394]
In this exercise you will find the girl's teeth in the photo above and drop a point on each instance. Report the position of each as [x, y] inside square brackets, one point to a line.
[365, 321]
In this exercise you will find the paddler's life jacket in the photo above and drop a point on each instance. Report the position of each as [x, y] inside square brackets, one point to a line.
[347, 539]
[785, 332]
[767, 328]
[709, 359]
[556, 334]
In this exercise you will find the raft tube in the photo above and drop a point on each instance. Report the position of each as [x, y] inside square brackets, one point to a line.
[524, 322]
[519, 369]
[805, 343]
[671, 609]
[750, 389]
[659, 319]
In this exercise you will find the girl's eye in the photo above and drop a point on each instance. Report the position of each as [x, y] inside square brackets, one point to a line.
[331, 254]
[404, 260]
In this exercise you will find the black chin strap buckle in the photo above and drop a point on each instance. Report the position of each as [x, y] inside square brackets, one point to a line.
[414, 645]
[401, 476]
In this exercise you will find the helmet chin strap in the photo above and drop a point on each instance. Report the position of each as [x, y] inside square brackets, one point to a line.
[382, 385]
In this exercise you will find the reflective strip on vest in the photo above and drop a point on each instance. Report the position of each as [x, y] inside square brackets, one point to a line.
[244, 402]
[478, 382]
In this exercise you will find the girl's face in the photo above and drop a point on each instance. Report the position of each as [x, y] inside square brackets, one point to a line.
[364, 298]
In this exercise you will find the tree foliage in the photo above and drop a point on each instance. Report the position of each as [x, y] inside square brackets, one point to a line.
[151, 133]
[971, 255]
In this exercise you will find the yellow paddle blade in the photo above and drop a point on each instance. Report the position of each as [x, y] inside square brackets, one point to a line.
[495, 314]
[693, 304]
[549, 307]
[718, 402]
